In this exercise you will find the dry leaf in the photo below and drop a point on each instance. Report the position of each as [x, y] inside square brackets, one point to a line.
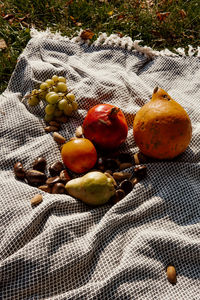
[162, 16]
[2, 44]
[120, 17]
[75, 22]
[72, 18]
[120, 34]
[87, 34]
[182, 13]
[69, 2]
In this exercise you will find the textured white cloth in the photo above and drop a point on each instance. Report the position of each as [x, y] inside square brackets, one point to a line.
[62, 249]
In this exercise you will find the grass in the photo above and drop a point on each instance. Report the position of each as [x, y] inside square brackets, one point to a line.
[159, 23]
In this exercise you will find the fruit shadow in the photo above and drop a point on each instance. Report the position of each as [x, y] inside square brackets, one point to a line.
[188, 156]
[178, 196]
[175, 245]
[175, 182]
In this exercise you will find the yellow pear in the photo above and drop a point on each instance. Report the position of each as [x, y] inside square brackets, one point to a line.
[94, 188]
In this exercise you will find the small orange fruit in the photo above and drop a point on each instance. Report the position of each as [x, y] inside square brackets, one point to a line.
[162, 128]
[79, 155]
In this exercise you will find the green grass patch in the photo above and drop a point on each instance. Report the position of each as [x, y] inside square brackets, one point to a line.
[159, 24]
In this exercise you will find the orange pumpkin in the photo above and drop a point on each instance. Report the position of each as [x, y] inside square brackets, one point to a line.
[162, 128]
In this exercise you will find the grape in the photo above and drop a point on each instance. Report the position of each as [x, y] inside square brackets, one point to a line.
[55, 89]
[68, 110]
[62, 104]
[50, 82]
[33, 100]
[62, 79]
[44, 86]
[58, 112]
[42, 94]
[55, 78]
[62, 87]
[74, 105]
[49, 109]
[61, 95]
[34, 92]
[48, 118]
[70, 97]
[48, 94]
[53, 98]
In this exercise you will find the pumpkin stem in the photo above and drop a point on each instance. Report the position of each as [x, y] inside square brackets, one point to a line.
[113, 112]
[155, 90]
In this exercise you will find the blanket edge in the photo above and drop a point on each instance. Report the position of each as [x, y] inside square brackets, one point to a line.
[115, 40]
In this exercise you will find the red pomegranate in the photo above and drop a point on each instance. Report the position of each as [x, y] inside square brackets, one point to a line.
[105, 125]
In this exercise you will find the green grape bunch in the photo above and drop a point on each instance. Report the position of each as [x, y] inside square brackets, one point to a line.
[58, 99]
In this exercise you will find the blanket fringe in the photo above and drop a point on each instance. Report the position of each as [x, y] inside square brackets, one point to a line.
[115, 40]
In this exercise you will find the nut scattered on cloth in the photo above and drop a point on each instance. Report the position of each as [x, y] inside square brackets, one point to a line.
[37, 199]
[64, 249]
